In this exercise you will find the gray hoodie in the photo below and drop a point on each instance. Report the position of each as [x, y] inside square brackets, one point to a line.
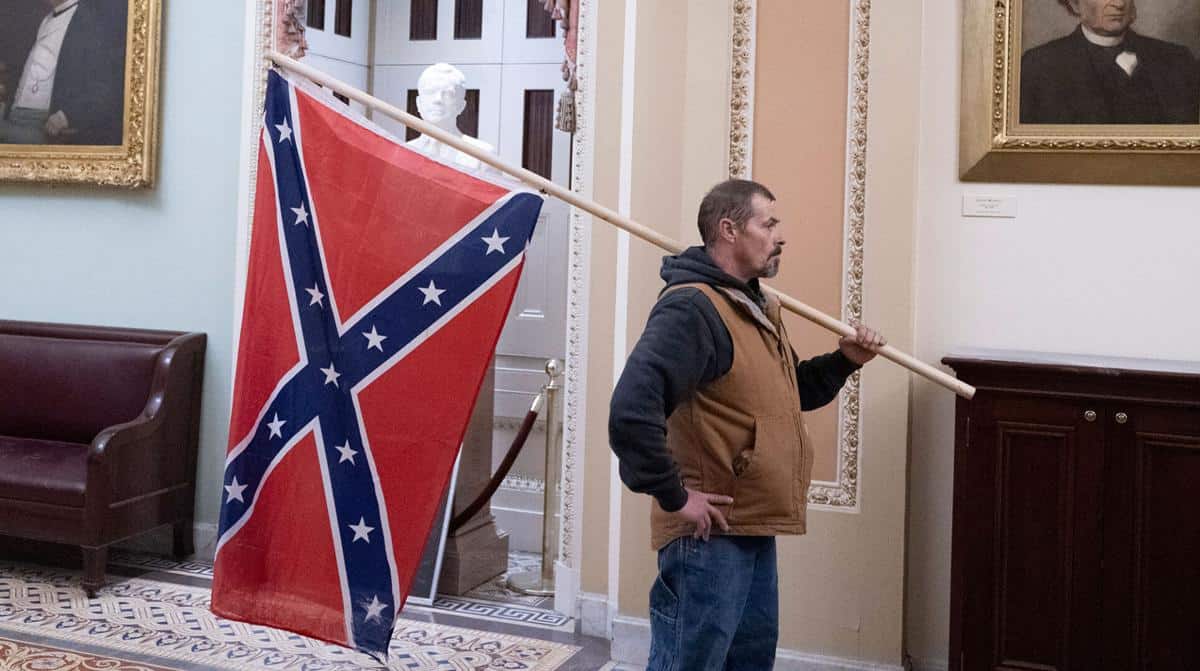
[685, 345]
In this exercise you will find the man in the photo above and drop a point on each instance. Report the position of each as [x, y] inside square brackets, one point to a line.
[707, 419]
[1105, 73]
[18, 28]
[68, 84]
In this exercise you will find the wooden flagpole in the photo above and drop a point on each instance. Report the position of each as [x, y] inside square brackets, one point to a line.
[649, 235]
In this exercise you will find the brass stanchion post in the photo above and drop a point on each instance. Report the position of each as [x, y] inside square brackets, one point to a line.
[541, 583]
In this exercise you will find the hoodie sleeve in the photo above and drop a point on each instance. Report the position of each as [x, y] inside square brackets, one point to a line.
[677, 352]
[822, 377]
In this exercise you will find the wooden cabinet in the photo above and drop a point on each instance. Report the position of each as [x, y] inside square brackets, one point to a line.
[1076, 540]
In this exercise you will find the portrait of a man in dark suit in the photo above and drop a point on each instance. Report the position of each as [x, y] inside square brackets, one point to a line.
[62, 71]
[1104, 72]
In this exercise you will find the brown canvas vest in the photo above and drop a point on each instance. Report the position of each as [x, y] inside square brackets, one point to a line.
[743, 434]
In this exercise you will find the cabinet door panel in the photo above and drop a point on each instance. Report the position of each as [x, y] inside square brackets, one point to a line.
[1152, 554]
[1031, 597]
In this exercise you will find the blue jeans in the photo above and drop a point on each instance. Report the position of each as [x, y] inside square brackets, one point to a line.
[715, 605]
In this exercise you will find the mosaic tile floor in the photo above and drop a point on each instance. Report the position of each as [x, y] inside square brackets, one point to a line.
[25, 656]
[497, 588]
[152, 624]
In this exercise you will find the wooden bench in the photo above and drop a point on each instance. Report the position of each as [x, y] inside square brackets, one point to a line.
[98, 435]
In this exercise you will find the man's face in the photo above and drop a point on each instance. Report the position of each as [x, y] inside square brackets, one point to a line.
[759, 242]
[1106, 17]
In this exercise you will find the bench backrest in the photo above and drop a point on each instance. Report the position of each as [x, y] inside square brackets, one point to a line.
[69, 389]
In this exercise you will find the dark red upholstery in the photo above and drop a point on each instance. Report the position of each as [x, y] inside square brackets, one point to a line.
[99, 431]
[100, 381]
[43, 470]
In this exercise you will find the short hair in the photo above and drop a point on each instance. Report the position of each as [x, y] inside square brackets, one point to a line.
[451, 73]
[728, 200]
[1067, 4]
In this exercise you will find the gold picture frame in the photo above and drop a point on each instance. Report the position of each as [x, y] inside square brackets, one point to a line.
[87, 154]
[995, 146]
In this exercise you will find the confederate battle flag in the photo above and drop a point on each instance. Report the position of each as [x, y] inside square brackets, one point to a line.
[378, 283]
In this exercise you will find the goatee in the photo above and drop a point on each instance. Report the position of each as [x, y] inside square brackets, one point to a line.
[772, 268]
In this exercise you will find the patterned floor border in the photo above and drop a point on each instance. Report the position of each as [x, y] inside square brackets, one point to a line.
[171, 623]
[491, 607]
[482, 609]
[497, 588]
[189, 567]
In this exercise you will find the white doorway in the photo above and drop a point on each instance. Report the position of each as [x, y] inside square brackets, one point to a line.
[511, 54]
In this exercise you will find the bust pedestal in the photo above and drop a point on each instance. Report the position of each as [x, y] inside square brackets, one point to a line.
[478, 550]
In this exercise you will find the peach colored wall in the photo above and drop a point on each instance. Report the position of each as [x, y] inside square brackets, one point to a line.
[801, 66]
[841, 585]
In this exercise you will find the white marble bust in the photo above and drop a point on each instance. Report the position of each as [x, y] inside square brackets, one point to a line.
[441, 97]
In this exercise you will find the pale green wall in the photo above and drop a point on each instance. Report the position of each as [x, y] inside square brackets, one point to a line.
[160, 258]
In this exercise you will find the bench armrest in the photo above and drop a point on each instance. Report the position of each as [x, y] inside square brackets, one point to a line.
[156, 449]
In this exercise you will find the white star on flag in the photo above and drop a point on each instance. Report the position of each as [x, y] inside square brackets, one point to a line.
[495, 243]
[301, 214]
[346, 452]
[276, 424]
[331, 375]
[361, 530]
[235, 491]
[431, 293]
[375, 608]
[285, 131]
[318, 298]
[374, 339]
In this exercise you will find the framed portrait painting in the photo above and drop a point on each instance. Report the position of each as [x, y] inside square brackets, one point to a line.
[79, 91]
[1081, 91]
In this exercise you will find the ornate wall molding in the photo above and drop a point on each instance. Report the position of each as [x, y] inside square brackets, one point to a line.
[841, 494]
[844, 492]
[578, 279]
[263, 21]
[741, 94]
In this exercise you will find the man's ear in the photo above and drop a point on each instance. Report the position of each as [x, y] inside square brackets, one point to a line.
[727, 229]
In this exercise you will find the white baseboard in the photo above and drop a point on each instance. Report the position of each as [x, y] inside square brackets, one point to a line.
[593, 614]
[631, 645]
[566, 589]
[630, 640]
[794, 660]
[927, 664]
[206, 540]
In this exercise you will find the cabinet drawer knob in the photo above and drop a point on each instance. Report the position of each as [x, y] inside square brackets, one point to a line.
[1090, 415]
[1122, 418]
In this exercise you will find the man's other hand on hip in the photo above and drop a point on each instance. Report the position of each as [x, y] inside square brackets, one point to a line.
[700, 511]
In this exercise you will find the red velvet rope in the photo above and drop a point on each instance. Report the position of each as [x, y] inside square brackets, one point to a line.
[509, 459]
